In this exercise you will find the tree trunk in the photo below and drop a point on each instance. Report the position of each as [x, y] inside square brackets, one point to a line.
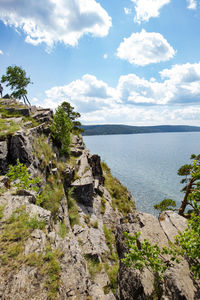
[27, 100]
[185, 202]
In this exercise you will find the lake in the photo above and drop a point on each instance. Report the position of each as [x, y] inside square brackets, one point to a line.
[147, 163]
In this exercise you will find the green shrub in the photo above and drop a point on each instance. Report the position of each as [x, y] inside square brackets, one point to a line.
[166, 204]
[60, 130]
[20, 172]
[51, 196]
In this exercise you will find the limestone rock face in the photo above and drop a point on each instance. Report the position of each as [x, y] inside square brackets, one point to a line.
[136, 284]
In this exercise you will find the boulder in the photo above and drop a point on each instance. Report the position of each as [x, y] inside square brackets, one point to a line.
[22, 111]
[95, 163]
[83, 190]
[21, 148]
[140, 284]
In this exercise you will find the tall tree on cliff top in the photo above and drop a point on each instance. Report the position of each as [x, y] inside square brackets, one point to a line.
[72, 115]
[17, 81]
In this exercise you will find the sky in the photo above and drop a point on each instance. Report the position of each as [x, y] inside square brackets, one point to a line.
[134, 62]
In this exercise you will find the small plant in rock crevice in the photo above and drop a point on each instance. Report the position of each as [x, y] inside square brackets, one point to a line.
[20, 173]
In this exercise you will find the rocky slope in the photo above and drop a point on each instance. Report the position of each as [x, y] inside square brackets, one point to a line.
[59, 242]
[66, 248]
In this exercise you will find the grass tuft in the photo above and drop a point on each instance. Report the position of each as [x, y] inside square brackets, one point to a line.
[118, 192]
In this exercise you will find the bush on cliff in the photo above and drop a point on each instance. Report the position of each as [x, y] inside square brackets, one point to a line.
[60, 130]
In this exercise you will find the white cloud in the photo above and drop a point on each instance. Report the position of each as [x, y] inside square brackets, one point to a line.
[192, 4]
[105, 56]
[146, 9]
[53, 21]
[87, 93]
[174, 99]
[127, 10]
[145, 48]
[1, 52]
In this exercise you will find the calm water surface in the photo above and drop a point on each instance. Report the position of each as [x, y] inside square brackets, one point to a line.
[147, 163]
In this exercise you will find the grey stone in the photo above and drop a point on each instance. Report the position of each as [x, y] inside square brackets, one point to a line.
[76, 152]
[83, 190]
[21, 148]
[94, 162]
[3, 157]
[136, 284]
[32, 194]
[22, 111]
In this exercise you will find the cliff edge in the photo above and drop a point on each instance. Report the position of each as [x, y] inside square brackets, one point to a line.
[62, 237]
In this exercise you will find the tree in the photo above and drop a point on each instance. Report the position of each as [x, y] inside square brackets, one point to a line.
[192, 187]
[187, 245]
[72, 115]
[17, 81]
[191, 172]
[60, 130]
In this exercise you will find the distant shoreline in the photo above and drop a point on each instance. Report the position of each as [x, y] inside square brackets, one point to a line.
[127, 129]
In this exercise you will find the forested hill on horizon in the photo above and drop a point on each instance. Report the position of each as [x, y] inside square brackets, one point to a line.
[127, 129]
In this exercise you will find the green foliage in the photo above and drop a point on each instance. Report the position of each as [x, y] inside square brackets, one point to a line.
[72, 115]
[51, 196]
[103, 205]
[49, 266]
[60, 130]
[93, 264]
[189, 240]
[110, 238]
[166, 204]
[17, 81]
[74, 217]
[119, 193]
[42, 148]
[191, 173]
[2, 210]
[62, 229]
[20, 172]
[14, 233]
[112, 271]
[8, 127]
[143, 254]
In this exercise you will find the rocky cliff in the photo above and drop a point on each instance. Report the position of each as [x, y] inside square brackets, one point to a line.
[58, 242]
[65, 239]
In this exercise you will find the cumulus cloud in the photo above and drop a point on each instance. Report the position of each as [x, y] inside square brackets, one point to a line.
[51, 21]
[174, 99]
[192, 4]
[127, 10]
[1, 52]
[87, 93]
[145, 48]
[105, 56]
[146, 9]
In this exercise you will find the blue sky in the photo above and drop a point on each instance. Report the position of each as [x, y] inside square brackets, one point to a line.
[131, 62]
